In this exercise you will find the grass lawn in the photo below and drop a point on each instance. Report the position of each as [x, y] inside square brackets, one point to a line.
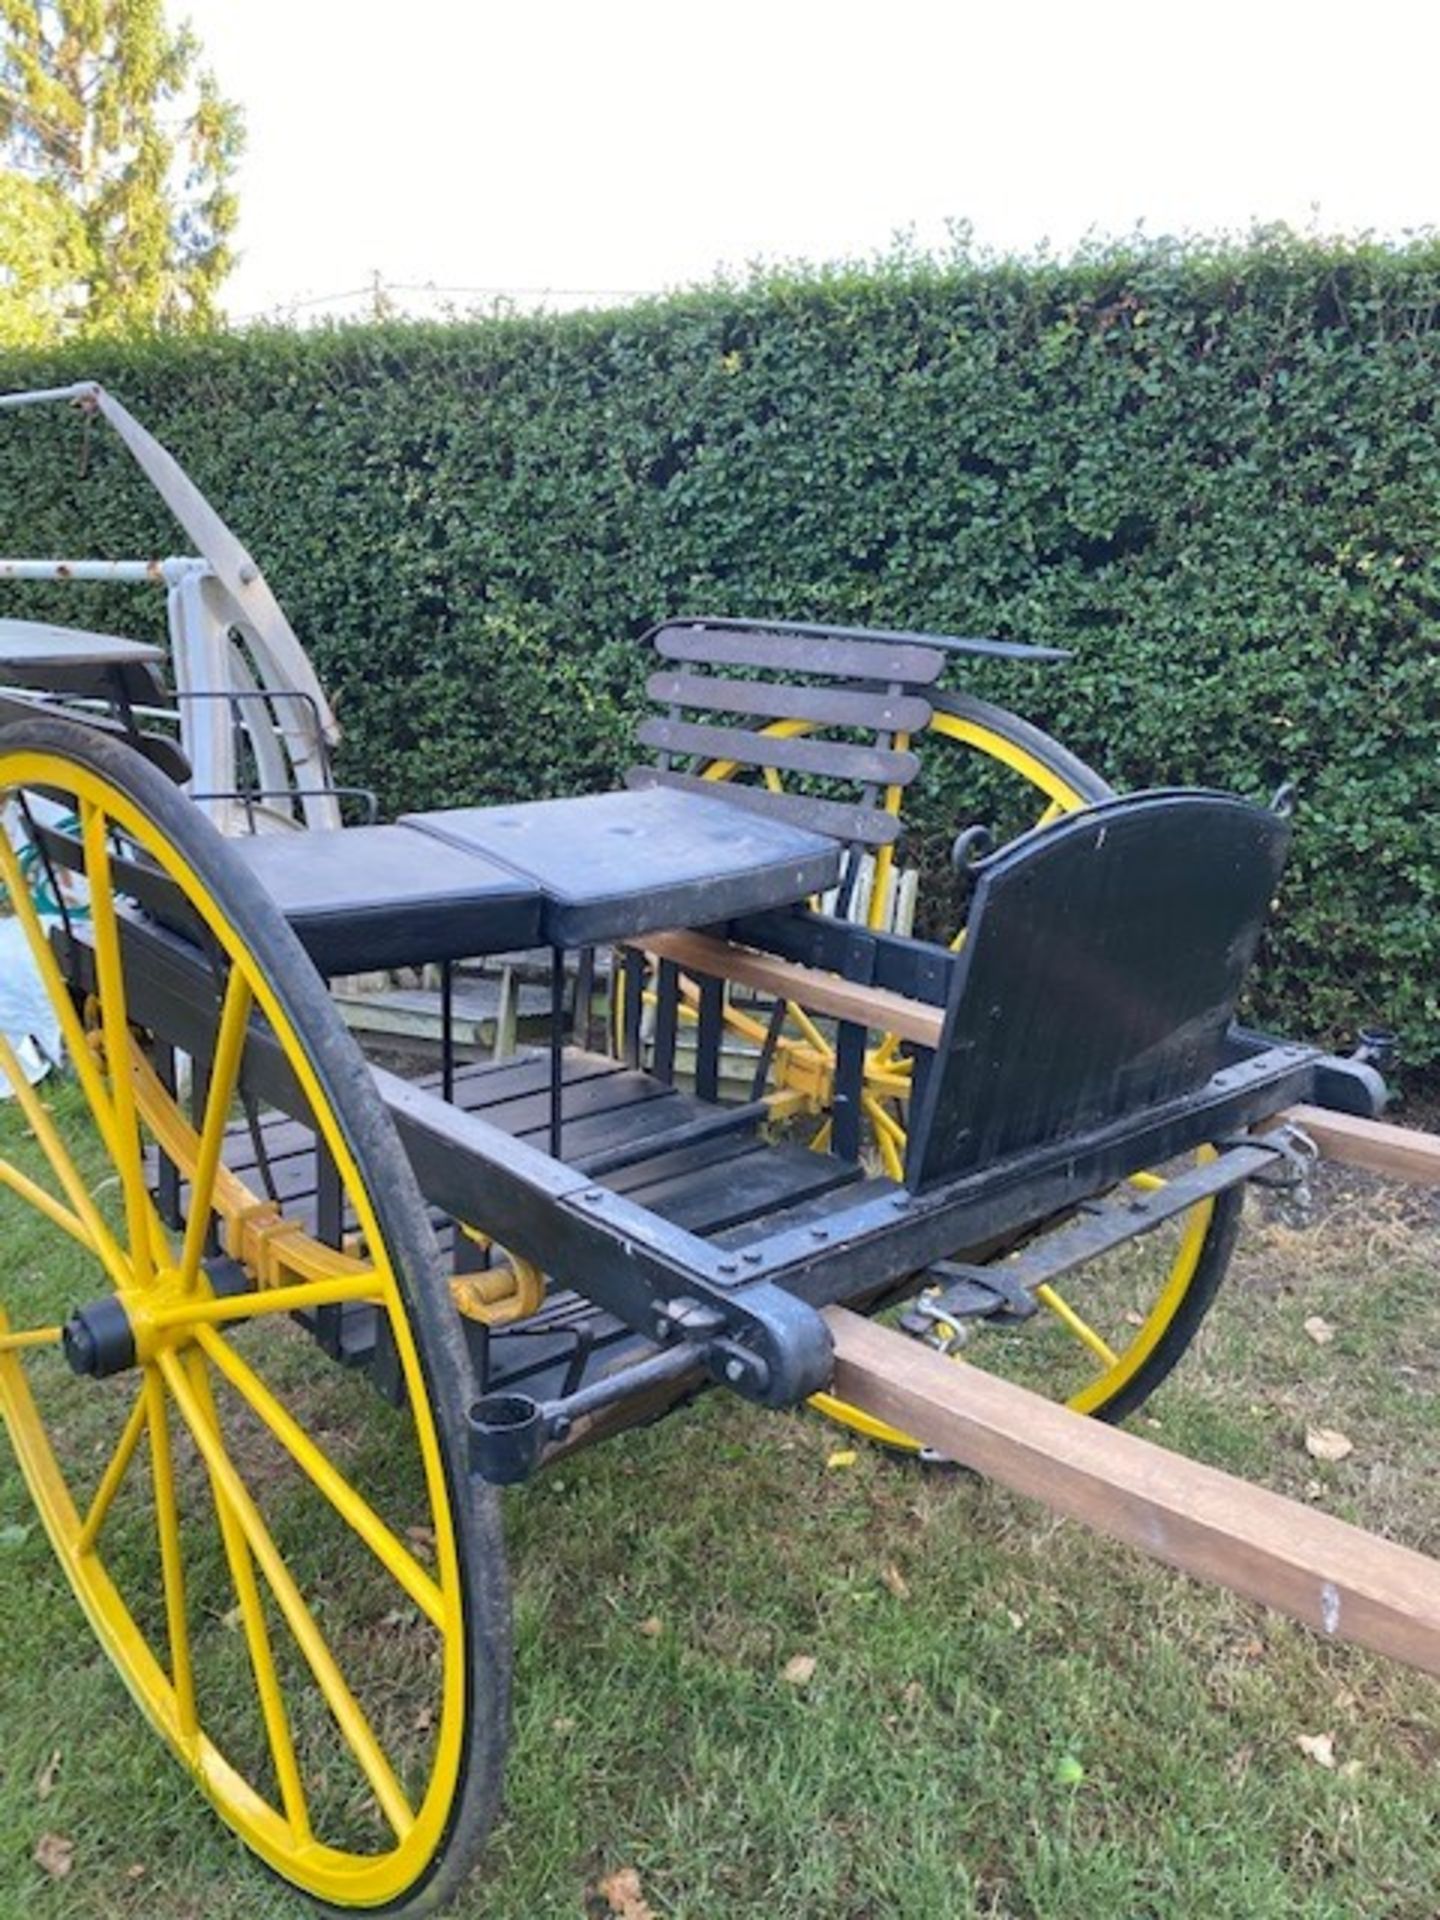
[1005, 1716]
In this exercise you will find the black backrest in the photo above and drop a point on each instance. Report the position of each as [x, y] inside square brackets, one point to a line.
[1102, 961]
[724, 682]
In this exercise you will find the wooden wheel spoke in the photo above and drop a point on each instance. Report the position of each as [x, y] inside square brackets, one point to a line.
[72, 1031]
[77, 1044]
[46, 1203]
[1076, 1324]
[352, 1507]
[83, 1222]
[889, 1136]
[345, 1709]
[30, 1337]
[114, 1473]
[146, 1234]
[257, 1633]
[167, 1521]
[812, 1033]
[224, 1076]
[303, 1297]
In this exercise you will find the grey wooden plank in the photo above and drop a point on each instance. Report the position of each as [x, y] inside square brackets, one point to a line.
[837, 659]
[837, 760]
[879, 711]
[907, 636]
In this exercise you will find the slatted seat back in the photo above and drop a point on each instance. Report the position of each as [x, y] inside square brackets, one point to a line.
[822, 715]
[1102, 961]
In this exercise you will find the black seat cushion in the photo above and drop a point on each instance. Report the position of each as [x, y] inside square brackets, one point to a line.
[614, 865]
[363, 897]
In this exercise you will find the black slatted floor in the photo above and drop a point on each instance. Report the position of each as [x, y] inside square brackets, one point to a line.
[729, 1185]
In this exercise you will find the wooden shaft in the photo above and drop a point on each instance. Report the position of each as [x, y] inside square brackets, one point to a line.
[877, 1008]
[1348, 1584]
[1403, 1152]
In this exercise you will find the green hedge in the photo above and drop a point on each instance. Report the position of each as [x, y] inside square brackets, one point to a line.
[1212, 473]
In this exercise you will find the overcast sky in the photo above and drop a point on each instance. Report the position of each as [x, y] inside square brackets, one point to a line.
[636, 145]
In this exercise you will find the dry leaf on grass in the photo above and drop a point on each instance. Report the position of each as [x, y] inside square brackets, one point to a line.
[1319, 1747]
[621, 1890]
[653, 1627]
[1320, 1331]
[799, 1671]
[1327, 1443]
[895, 1580]
[55, 1855]
[45, 1779]
[842, 1457]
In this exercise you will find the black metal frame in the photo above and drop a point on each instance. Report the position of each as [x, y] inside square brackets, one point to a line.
[739, 1306]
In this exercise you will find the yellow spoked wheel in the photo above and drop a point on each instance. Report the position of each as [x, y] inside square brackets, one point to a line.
[298, 1581]
[1142, 1305]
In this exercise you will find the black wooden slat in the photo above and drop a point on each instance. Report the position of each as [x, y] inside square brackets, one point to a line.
[895, 961]
[709, 1033]
[491, 1086]
[835, 759]
[839, 659]
[667, 1012]
[478, 1089]
[724, 1196]
[711, 1123]
[817, 1210]
[849, 1086]
[865, 826]
[602, 1094]
[637, 1177]
[596, 1132]
[631, 978]
[879, 711]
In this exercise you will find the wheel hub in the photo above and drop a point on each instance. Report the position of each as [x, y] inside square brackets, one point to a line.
[99, 1340]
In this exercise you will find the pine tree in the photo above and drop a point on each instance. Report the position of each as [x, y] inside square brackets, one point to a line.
[116, 156]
